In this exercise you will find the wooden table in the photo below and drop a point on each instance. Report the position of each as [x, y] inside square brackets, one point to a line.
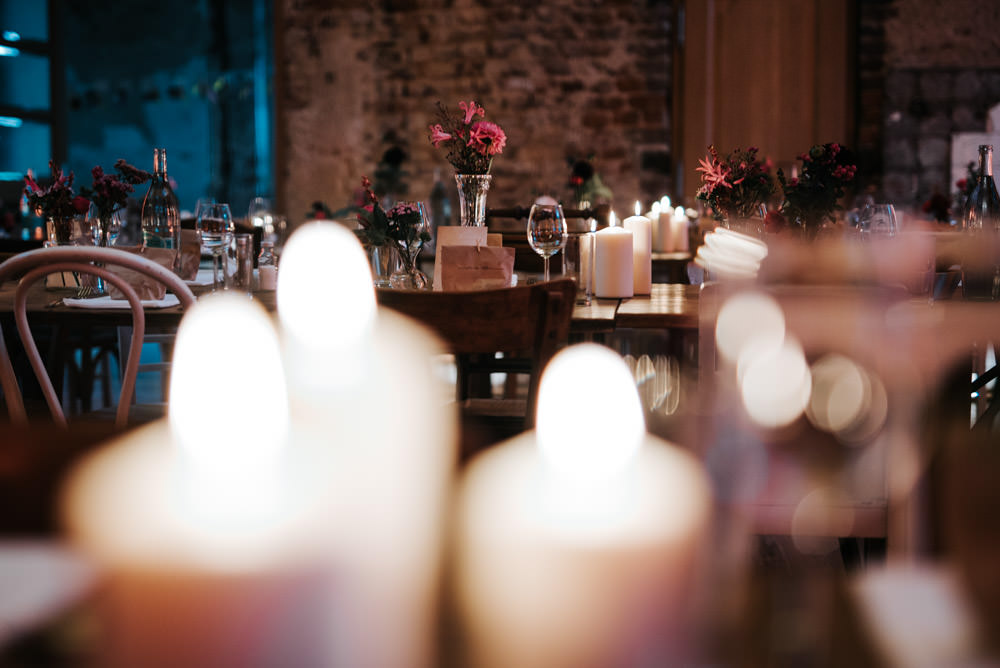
[670, 306]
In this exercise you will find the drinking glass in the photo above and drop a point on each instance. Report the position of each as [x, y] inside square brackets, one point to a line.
[259, 215]
[546, 231]
[215, 227]
[878, 221]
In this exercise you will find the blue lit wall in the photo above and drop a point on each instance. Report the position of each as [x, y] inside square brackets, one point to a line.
[193, 76]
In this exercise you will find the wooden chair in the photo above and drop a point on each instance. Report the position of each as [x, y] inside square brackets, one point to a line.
[528, 324]
[35, 265]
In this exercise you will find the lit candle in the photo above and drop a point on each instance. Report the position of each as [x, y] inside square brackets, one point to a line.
[664, 231]
[613, 276]
[198, 520]
[679, 230]
[642, 259]
[638, 208]
[350, 364]
[654, 219]
[579, 542]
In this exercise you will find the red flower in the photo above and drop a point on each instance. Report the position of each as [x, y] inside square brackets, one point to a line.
[81, 204]
[774, 222]
[961, 184]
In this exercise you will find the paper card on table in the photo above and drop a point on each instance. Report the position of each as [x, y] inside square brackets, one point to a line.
[494, 239]
[475, 267]
[146, 287]
[190, 254]
[456, 235]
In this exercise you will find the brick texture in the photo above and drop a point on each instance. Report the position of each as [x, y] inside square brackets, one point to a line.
[562, 77]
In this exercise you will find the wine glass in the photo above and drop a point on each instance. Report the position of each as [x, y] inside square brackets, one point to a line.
[546, 231]
[408, 276]
[215, 228]
[878, 221]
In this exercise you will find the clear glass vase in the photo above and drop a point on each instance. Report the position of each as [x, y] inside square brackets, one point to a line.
[472, 189]
[751, 225]
[384, 261]
[105, 229]
[408, 275]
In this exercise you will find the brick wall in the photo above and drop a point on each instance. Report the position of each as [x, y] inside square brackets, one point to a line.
[941, 68]
[563, 77]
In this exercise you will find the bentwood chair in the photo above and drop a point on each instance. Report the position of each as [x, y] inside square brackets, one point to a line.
[33, 266]
[527, 324]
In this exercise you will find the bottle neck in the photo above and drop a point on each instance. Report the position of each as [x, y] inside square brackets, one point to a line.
[160, 163]
[986, 162]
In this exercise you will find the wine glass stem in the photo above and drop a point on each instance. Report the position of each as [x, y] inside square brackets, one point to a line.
[545, 262]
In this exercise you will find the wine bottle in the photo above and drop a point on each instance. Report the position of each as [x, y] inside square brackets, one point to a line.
[161, 219]
[981, 220]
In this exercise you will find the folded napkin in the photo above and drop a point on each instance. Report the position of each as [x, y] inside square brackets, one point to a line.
[146, 287]
[107, 302]
[203, 277]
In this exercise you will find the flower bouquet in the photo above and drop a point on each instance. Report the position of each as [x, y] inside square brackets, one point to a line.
[109, 194]
[58, 205]
[471, 145]
[811, 198]
[737, 187]
[402, 228]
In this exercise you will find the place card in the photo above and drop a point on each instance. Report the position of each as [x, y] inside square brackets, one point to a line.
[475, 267]
[456, 235]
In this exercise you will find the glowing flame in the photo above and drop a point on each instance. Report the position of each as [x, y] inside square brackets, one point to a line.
[578, 442]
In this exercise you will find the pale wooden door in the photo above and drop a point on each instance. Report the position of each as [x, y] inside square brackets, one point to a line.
[777, 74]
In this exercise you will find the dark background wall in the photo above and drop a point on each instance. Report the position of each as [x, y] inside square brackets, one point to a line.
[563, 77]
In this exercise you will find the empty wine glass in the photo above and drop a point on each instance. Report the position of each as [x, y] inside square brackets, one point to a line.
[878, 221]
[546, 231]
[215, 227]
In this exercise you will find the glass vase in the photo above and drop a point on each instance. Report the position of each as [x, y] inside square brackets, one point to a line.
[472, 189]
[67, 230]
[751, 225]
[384, 261]
[106, 228]
[408, 275]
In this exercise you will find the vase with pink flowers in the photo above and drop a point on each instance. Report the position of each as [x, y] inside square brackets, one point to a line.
[471, 143]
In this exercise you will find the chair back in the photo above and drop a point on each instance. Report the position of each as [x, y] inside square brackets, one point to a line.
[530, 323]
[33, 266]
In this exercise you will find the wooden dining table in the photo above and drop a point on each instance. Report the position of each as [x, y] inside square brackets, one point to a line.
[670, 306]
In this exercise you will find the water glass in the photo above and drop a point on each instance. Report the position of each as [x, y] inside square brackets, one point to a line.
[878, 221]
[243, 276]
[578, 263]
[216, 229]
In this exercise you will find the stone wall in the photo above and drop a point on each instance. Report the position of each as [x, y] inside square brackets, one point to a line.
[564, 78]
[942, 74]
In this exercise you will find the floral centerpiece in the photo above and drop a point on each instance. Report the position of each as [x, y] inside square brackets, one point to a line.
[811, 198]
[471, 145]
[734, 185]
[586, 184]
[57, 204]
[109, 194]
[737, 187]
[403, 227]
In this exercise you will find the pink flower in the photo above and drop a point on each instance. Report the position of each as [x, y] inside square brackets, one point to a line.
[487, 138]
[712, 174]
[471, 109]
[438, 134]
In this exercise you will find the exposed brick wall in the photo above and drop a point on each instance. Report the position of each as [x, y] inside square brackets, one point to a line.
[563, 77]
[941, 64]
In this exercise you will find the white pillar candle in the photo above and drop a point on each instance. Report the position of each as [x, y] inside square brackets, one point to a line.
[347, 364]
[613, 263]
[679, 229]
[199, 521]
[579, 542]
[642, 258]
[654, 218]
